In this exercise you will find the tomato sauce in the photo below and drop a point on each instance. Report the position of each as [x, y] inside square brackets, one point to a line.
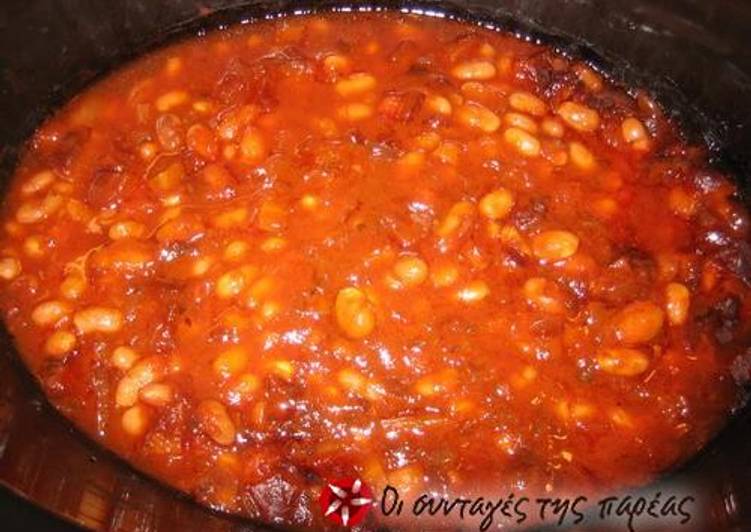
[401, 249]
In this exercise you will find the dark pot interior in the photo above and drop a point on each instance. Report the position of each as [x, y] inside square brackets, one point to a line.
[692, 54]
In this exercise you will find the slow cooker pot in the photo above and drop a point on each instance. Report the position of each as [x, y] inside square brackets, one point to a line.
[692, 54]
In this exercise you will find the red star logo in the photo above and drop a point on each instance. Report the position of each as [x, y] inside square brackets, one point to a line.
[346, 501]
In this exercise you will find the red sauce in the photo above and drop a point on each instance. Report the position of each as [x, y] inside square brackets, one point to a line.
[406, 250]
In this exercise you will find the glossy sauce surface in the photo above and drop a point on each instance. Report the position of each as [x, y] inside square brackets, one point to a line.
[403, 249]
